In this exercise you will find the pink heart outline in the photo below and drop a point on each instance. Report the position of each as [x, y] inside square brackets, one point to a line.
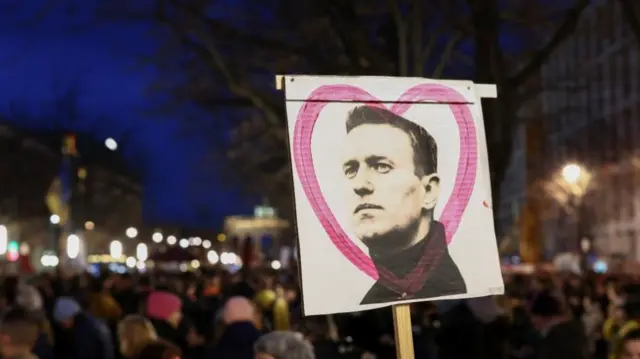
[303, 157]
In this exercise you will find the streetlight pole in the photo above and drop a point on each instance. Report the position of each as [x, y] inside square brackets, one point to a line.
[577, 180]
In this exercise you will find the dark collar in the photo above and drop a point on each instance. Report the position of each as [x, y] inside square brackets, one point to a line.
[407, 271]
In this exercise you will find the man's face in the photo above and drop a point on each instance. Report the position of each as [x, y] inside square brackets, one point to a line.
[631, 349]
[384, 192]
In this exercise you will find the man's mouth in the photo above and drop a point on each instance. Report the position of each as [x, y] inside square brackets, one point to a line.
[364, 206]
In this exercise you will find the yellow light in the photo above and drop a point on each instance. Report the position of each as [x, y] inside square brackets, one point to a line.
[82, 173]
[88, 225]
[222, 237]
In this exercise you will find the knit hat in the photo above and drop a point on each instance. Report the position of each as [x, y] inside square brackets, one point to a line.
[65, 308]
[161, 305]
[238, 309]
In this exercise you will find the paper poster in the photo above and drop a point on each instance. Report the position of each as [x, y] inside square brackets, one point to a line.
[392, 192]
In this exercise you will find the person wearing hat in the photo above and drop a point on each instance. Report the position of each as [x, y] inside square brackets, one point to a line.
[78, 334]
[238, 331]
[631, 322]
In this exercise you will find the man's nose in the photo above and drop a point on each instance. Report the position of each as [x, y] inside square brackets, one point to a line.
[362, 186]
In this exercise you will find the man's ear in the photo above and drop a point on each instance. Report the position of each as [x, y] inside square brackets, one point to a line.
[431, 184]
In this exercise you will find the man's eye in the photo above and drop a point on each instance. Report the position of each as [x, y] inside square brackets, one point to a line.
[381, 167]
[350, 172]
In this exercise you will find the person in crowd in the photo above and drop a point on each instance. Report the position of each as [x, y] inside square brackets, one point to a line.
[134, 333]
[238, 331]
[125, 293]
[628, 320]
[78, 334]
[283, 345]
[318, 332]
[629, 346]
[102, 304]
[18, 335]
[458, 324]
[209, 303]
[264, 299]
[562, 337]
[592, 319]
[165, 311]
[18, 294]
[160, 349]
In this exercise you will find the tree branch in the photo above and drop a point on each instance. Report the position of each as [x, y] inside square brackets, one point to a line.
[446, 55]
[630, 13]
[209, 53]
[401, 28]
[345, 23]
[567, 28]
[428, 49]
[416, 38]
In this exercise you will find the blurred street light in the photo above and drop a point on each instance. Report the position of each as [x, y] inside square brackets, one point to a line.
[206, 244]
[88, 225]
[111, 144]
[13, 250]
[131, 232]
[49, 260]
[184, 243]
[73, 246]
[213, 257]
[571, 173]
[171, 240]
[142, 252]
[115, 249]
[157, 237]
[585, 245]
[4, 239]
[24, 249]
[54, 219]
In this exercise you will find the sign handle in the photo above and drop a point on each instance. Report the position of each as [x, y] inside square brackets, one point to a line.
[403, 331]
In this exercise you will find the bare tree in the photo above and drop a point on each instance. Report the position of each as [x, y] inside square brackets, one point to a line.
[242, 50]
[631, 12]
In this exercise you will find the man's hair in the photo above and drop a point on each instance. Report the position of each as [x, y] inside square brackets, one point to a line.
[425, 149]
[284, 345]
[20, 326]
[546, 305]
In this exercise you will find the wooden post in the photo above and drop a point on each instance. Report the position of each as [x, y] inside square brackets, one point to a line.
[403, 331]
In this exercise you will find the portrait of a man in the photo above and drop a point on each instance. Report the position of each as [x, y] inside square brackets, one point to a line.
[392, 188]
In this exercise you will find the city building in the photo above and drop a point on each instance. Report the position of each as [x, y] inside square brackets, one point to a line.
[590, 111]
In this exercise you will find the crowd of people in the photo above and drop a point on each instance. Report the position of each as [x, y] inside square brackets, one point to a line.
[257, 314]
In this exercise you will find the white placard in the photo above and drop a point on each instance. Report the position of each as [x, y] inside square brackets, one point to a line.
[392, 191]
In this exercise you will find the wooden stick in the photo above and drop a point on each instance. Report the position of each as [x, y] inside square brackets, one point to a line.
[403, 331]
[279, 82]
